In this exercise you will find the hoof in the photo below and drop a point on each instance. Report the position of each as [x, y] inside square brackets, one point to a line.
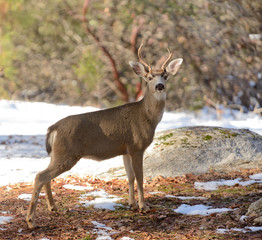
[133, 206]
[52, 208]
[144, 209]
[30, 224]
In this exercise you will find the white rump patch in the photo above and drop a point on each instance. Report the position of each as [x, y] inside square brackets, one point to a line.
[52, 137]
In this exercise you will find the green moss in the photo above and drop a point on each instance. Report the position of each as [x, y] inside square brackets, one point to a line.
[234, 134]
[228, 134]
[165, 137]
[86, 238]
[166, 188]
[207, 137]
[163, 140]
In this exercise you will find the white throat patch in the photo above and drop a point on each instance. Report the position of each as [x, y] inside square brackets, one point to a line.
[160, 96]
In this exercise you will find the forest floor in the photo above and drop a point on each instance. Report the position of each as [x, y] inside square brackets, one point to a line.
[75, 220]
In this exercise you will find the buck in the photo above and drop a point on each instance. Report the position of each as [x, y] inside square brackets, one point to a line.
[124, 130]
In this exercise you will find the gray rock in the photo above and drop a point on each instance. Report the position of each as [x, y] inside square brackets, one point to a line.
[255, 210]
[198, 150]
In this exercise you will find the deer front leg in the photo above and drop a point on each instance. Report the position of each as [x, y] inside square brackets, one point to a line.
[137, 164]
[131, 179]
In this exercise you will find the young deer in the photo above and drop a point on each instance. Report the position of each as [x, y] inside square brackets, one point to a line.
[125, 130]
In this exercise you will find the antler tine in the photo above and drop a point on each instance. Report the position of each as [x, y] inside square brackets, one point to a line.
[140, 57]
[169, 57]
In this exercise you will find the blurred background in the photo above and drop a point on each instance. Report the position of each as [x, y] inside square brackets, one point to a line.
[77, 52]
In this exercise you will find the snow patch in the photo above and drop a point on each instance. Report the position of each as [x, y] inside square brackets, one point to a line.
[5, 219]
[28, 196]
[155, 193]
[214, 185]
[78, 188]
[257, 176]
[102, 200]
[254, 229]
[185, 198]
[178, 197]
[244, 230]
[222, 230]
[242, 218]
[102, 231]
[199, 209]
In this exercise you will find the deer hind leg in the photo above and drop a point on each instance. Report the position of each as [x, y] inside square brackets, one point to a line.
[41, 179]
[131, 180]
[50, 201]
[137, 164]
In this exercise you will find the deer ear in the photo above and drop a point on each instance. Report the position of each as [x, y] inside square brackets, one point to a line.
[174, 65]
[138, 68]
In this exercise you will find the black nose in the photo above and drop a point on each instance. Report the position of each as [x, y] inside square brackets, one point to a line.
[160, 87]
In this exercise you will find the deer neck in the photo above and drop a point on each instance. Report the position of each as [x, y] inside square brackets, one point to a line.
[154, 104]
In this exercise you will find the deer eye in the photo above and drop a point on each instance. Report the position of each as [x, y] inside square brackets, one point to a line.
[164, 75]
[150, 78]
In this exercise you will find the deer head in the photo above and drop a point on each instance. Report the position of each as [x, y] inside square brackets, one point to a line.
[156, 78]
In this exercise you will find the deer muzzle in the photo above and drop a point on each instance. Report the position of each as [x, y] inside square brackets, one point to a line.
[160, 87]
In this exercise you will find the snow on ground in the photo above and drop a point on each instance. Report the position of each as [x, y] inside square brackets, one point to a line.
[28, 196]
[26, 118]
[213, 185]
[178, 197]
[5, 219]
[102, 200]
[23, 127]
[14, 170]
[78, 188]
[186, 198]
[257, 176]
[244, 230]
[104, 232]
[199, 209]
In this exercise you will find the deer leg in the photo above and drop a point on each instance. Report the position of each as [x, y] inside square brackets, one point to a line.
[131, 180]
[42, 178]
[137, 164]
[50, 201]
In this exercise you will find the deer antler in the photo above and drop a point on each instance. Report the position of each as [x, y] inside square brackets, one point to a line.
[169, 57]
[141, 59]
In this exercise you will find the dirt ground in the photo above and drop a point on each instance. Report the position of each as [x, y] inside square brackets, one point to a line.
[74, 221]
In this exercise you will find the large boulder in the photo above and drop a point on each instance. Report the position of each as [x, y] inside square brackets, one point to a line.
[255, 210]
[197, 150]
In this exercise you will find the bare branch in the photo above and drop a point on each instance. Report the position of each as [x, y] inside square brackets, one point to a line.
[211, 103]
[134, 35]
[235, 106]
[89, 31]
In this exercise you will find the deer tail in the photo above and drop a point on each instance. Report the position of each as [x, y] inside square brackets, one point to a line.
[50, 139]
